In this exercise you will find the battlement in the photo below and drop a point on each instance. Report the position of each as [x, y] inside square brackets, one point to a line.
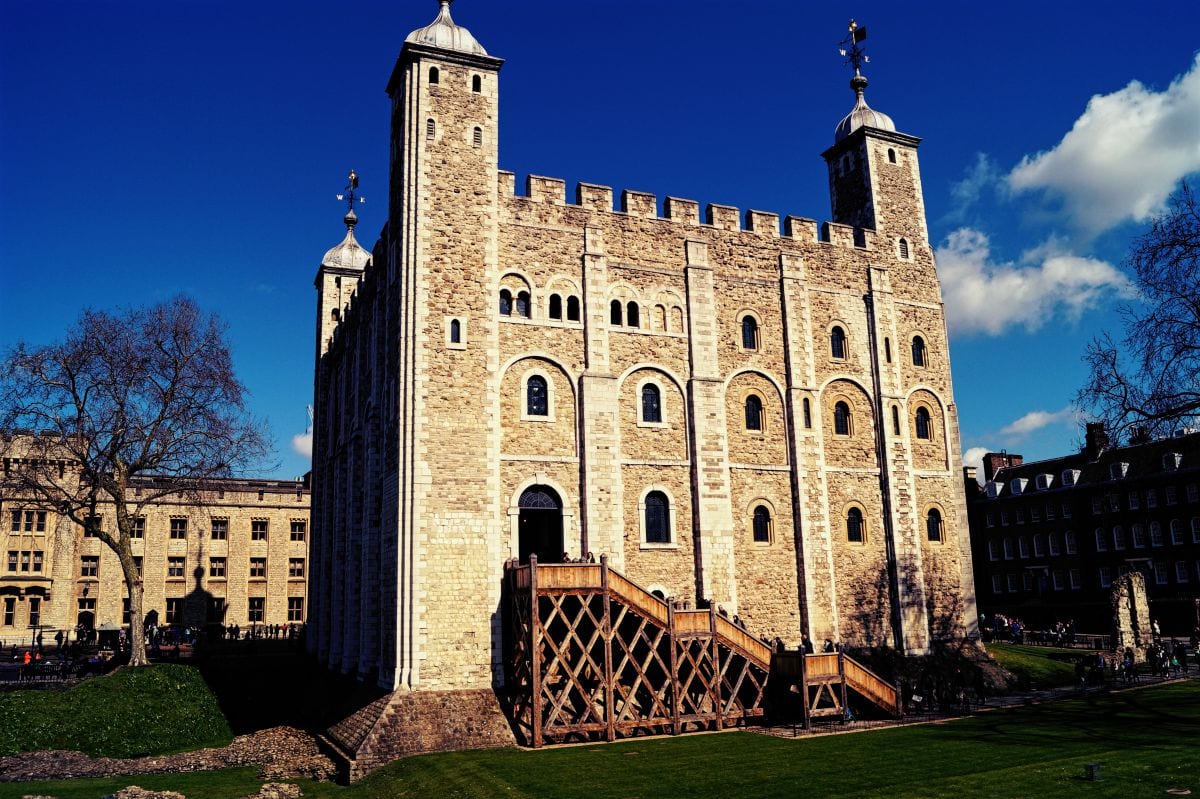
[643, 205]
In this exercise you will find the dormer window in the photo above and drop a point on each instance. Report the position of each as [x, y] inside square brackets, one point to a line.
[1017, 486]
[1070, 477]
[1171, 460]
[1117, 470]
[1043, 481]
[993, 489]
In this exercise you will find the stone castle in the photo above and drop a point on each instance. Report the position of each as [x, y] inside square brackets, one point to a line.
[733, 413]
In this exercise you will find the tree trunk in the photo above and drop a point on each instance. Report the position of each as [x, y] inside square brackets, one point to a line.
[137, 627]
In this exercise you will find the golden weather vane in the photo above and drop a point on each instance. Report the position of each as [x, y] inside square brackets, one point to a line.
[851, 49]
[348, 193]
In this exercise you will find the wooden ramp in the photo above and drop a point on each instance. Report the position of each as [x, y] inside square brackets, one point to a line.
[595, 656]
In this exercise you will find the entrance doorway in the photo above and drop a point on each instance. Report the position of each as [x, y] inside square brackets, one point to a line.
[540, 524]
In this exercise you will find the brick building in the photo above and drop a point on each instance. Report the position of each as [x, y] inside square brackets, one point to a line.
[237, 554]
[734, 414]
[1050, 537]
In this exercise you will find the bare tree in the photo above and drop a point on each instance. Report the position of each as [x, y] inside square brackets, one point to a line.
[146, 391]
[1151, 378]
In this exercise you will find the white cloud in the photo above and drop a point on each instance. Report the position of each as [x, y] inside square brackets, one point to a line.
[976, 178]
[984, 296]
[974, 457]
[302, 444]
[1123, 156]
[1036, 420]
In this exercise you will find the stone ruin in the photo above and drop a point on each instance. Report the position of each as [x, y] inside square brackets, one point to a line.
[1131, 615]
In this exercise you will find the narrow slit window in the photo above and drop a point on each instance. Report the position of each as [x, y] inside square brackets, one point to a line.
[895, 420]
[477, 137]
[754, 410]
[476, 84]
[854, 526]
[455, 331]
[887, 350]
[904, 248]
[891, 156]
[749, 333]
[762, 525]
[841, 419]
[837, 343]
[430, 129]
[924, 428]
[807, 414]
[933, 525]
[918, 351]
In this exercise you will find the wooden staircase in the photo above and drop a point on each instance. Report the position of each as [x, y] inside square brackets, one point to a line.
[594, 656]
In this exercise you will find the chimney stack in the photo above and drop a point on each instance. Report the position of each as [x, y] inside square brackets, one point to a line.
[995, 461]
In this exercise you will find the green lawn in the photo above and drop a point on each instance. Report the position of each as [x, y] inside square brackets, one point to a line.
[1144, 740]
[152, 710]
[1038, 666]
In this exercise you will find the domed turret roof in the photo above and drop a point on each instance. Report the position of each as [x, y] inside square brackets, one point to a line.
[862, 115]
[445, 34]
[348, 254]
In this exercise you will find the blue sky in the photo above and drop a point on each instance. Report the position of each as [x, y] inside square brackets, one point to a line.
[148, 148]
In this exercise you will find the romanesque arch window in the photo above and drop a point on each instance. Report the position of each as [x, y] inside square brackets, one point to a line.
[762, 525]
[614, 312]
[660, 317]
[841, 419]
[933, 525]
[658, 518]
[537, 396]
[924, 428]
[651, 404]
[856, 532]
[572, 309]
[477, 137]
[918, 351]
[677, 319]
[632, 317]
[555, 306]
[754, 412]
[434, 75]
[476, 84]
[505, 302]
[904, 249]
[749, 332]
[522, 307]
[807, 406]
[455, 331]
[837, 343]
[430, 129]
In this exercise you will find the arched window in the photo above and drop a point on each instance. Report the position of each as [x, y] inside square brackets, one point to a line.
[523, 304]
[891, 156]
[762, 525]
[614, 312]
[841, 419]
[933, 525]
[651, 403]
[753, 413]
[430, 129]
[477, 137]
[677, 319]
[658, 518]
[895, 420]
[749, 333]
[505, 302]
[854, 526]
[924, 429]
[477, 84]
[572, 309]
[660, 318]
[904, 248]
[837, 343]
[632, 317]
[555, 306]
[537, 397]
[807, 413]
[434, 76]
[918, 351]
[455, 331]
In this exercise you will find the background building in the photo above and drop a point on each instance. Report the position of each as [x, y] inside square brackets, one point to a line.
[1050, 537]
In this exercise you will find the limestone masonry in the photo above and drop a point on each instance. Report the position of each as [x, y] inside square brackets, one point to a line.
[733, 414]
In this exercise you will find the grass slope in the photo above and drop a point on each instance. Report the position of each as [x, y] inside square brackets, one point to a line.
[1038, 666]
[1143, 739]
[151, 710]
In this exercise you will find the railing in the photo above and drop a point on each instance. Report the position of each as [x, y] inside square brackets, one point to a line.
[871, 685]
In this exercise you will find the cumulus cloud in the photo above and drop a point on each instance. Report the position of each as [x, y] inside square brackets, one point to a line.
[986, 296]
[1123, 156]
[302, 444]
[974, 457]
[1036, 420]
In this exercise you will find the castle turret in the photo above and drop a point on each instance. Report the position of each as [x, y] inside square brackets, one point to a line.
[338, 276]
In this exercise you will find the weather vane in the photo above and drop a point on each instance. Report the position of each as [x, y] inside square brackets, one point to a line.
[850, 47]
[348, 192]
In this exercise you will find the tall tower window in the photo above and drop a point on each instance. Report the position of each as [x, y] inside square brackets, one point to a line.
[749, 333]
[434, 75]
[632, 317]
[837, 343]
[555, 306]
[536, 396]
[658, 510]
[855, 533]
[841, 419]
[651, 404]
[918, 351]
[572, 309]
[477, 86]
[614, 312]
[762, 525]
[933, 525]
[924, 428]
[754, 413]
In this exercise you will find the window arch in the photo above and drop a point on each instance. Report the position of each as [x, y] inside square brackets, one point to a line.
[837, 343]
[572, 309]
[924, 427]
[537, 396]
[761, 525]
[455, 331]
[555, 310]
[807, 406]
[651, 404]
[522, 307]
[933, 525]
[632, 317]
[918, 351]
[434, 75]
[754, 413]
[904, 249]
[658, 518]
[841, 419]
[505, 302]
[856, 532]
[476, 84]
[749, 332]
[615, 312]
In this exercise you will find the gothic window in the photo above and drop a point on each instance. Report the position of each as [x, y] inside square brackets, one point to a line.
[651, 404]
[523, 304]
[555, 306]
[455, 331]
[807, 413]
[918, 351]
[837, 343]
[572, 309]
[904, 249]
[477, 137]
[477, 85]
[754, 413]
[924, 430]
[434, 76]
[854, 526]
[933, 525]
[537, 397]
[762, 525]
[614, 312]
[841, 419]
[658, 530]
[749, 333]
[505, 302]
[632, 317]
